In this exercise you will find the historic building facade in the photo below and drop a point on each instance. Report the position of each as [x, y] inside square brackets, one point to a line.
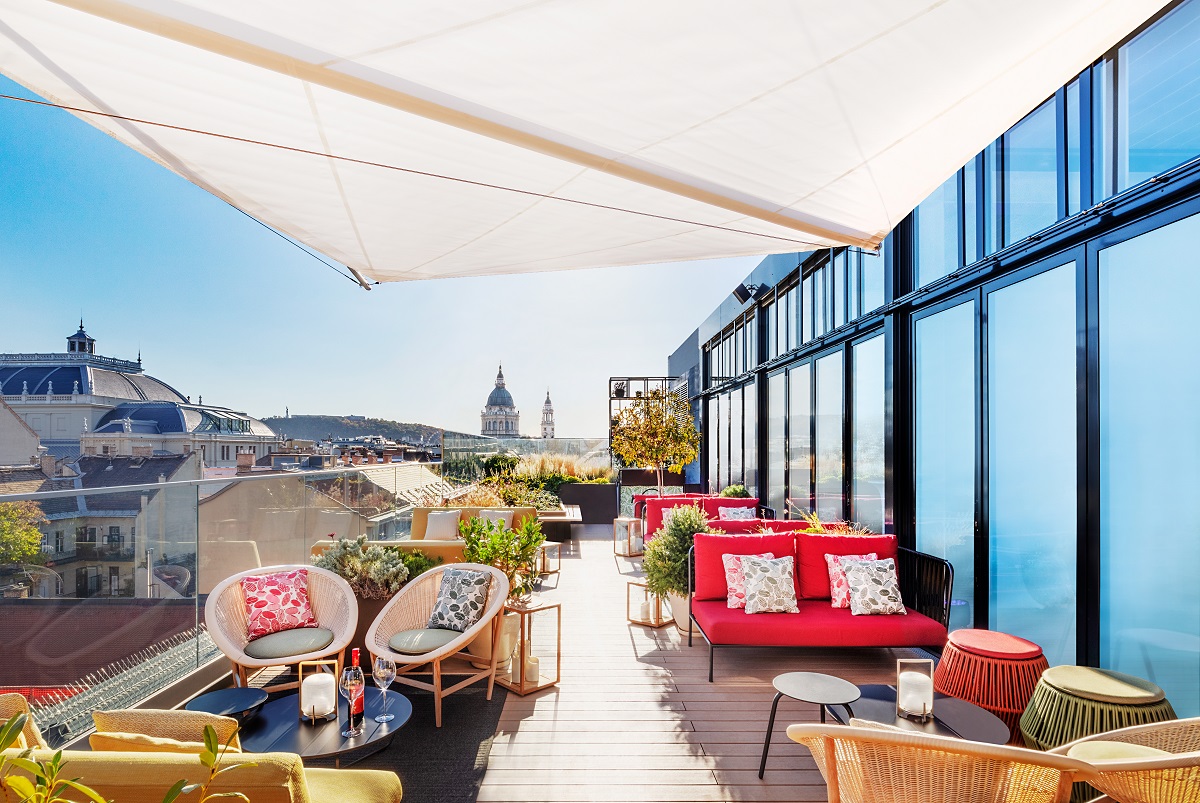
[500, 417]
[547, 417]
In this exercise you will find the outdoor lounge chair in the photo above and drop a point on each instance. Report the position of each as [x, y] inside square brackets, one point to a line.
[334, 607]
[424, 649]
[1157, 779]
[869, 765]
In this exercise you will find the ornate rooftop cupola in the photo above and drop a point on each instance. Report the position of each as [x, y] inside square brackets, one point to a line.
[500, 417]
[80, 343]
[548, 417]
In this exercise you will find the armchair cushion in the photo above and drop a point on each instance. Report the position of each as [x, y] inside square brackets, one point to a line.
[287, 643]
[1100, 750]
[364, 786]
[141, 743]
[419, 642]
[184, 726]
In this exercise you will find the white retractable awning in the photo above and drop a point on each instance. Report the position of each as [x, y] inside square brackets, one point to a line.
[416, 140]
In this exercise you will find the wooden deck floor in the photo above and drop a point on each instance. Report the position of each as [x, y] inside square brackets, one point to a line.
[635, 719]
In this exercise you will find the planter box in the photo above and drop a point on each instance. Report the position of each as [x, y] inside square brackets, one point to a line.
[368, 611]
[597, 502]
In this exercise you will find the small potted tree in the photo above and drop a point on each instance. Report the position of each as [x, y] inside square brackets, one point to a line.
[657, 432]
[666, 559]
[513, 551]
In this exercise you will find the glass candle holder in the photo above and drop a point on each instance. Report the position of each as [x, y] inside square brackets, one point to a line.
[318, 691]
[914, 688]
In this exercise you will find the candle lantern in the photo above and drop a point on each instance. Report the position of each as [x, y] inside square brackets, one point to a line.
[537, 660]
[914, 688]
[642, 607]
[318, 691]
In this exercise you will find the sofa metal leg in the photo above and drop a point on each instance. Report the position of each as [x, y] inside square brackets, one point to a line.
[711, 650]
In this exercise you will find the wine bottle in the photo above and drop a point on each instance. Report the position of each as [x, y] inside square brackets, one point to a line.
[356, 705]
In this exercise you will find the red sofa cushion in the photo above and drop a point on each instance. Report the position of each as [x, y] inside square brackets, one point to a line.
[639, 500]
[710, 570]
[655, 508]
[745, 527]
[712, 504]
[812, 548]
[816, 625]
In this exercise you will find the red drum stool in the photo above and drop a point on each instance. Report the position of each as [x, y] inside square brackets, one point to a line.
[995, 671]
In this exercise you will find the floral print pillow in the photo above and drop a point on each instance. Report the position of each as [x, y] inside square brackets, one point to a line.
[839, 590]
[735, 578]
[276, 602]
[874, 587]
[460, 601]
[735, 513]
[770, 587]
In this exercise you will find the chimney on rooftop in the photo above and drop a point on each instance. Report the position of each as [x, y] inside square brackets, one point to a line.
[47, 462]
[245, 462]
[143, 451]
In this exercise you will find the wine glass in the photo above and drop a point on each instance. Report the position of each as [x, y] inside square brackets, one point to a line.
[383, 671]
[353, 686]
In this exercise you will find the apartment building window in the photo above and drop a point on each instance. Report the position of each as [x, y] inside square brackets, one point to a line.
[224, 452]
[59, 541]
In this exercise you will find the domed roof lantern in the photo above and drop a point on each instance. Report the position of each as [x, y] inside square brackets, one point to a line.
[80, 343]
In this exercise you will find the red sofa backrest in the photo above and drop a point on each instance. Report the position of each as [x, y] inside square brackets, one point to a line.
[757, 526]
[639, 500]
[713, 504]
[813, 547]
[710, 569]
[655, 508]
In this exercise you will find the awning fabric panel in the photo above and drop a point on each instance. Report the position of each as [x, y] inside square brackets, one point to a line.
[687, 129]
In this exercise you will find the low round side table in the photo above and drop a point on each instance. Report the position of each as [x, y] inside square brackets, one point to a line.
[808, 687]
[238, 702]
[1071, 702]
[994, 670]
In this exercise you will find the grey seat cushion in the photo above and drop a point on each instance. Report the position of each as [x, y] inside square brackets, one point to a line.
[287, 643]
[418, 642]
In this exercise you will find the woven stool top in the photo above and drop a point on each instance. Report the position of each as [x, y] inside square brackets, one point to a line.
[1102, 685]
[994, 644]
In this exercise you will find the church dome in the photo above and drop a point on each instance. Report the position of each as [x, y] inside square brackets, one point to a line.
[500, 397]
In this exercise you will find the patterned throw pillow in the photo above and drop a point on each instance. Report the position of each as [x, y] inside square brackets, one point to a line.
[839, 590]
[735, 513]
[769, 585]
[276, 602]
[735, 578]
[874, 587]
[460, 600]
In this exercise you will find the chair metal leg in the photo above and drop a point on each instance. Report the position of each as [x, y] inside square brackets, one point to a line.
[762, 765]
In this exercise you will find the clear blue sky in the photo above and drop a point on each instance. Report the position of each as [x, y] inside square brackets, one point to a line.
[223, 308]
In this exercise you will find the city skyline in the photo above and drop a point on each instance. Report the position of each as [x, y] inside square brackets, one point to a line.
[222, 307]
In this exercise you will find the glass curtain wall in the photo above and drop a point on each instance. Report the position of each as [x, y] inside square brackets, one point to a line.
[867, 427]
[944, 428]
[829, 446]
[735, 438]
[777, 442]
[1031, 174]
[1149, 438]
[800, 457]
[936, 222]
[712, 417]
[750, 444]
[1032, 454]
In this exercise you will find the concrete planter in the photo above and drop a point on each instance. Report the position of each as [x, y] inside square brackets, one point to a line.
[368, 612]
[679, 610]
[481, 647]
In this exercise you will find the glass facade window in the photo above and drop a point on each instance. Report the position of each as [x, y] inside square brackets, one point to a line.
[750, 438]
[992, 213]
[793, 329]
[772, 331]
[1075, 201]
[776, 442]
[1032, 454]
[853, 297]
[970, 202]
[867, 427]
[872, 278]
[712, 417]
[838, 277]
[735, 438]
[820, 303]
[1149, 430]
[752, 341]
[1158, 97]
[1031, 174]
[937, 245]
[829, 445]
[944, 447]
[739, 353]
[799, 428]
[806, 312]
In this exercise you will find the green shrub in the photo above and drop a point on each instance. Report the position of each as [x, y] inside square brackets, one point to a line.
[500, 464]
[374, 572]
[665, 558]
[735, 492]
[512, 551]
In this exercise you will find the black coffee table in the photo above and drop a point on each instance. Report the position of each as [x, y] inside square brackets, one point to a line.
[240, 703]
[808, 687]
[279, 729]
[951, 716]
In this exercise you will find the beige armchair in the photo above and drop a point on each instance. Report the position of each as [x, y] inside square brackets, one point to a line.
[1173, 778]
[867, 765]
[334, 607]
[424, 650]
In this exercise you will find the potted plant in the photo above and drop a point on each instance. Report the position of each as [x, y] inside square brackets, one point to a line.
[375, 573]
[666, 559]
[513, 551]
[657, 432]
[735, 492]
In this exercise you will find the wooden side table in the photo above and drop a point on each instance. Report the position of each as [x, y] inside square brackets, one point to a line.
[549, 558]
[528, 673]
[649, 608]
[627, 537]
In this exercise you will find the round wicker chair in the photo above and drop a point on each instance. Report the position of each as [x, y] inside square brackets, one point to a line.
[1174, 778]
[410, 610]
[333, 604]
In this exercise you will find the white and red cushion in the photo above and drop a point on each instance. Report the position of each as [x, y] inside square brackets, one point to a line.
[735, 578]
[276, 602]
[839, 589]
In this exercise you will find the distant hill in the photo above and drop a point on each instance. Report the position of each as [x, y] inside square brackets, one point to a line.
[319, 427]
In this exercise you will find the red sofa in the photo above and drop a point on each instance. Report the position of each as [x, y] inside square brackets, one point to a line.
[925, 583]
[711, 505]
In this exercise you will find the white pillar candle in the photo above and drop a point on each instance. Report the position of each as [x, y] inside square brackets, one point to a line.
[532, 671]
[915, 690]
[318, 695]
[644, 611]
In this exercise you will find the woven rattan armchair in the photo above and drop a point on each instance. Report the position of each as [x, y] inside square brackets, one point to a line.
[410, 610]
[1162, 779]
[333, 604]
[866, 765]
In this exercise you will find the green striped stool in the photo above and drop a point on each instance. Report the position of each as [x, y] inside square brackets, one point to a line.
[1070, 702]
